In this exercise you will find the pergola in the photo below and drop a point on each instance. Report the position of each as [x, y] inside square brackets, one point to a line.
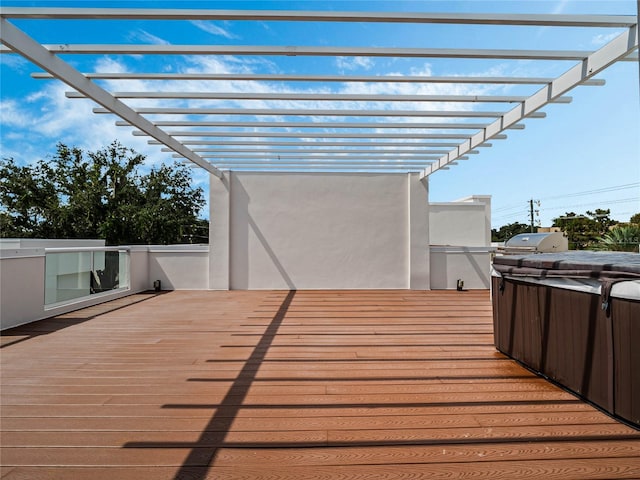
[408, 133]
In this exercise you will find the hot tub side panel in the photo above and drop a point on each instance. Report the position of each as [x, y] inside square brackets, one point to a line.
[626, 340]
[561, 334]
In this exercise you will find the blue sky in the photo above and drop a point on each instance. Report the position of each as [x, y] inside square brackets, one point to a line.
[584, 155]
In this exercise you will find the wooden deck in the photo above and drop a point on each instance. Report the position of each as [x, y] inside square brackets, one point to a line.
[291, 385]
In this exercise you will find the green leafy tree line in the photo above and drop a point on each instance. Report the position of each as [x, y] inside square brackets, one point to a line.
[100, 194]
[585, 231]
[505, 232]
[595, 230]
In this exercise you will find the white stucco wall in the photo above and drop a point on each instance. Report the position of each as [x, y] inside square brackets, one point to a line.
[179, 267]
[139, 268]
[22, 289]
[460, 243]
[464, 222]
[314, 231]
[22, 278]
[472, 265]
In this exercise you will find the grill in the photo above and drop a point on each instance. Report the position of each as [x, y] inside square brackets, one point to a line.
[535, 243]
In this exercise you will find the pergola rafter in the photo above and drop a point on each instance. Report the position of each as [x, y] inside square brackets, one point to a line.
[265, 106]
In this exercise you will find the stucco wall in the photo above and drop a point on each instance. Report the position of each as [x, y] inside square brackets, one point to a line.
[472, 265]
[460, 239]
[179, 267]
[21, 287]
[313, 231]
[464, 222]
[22, 279]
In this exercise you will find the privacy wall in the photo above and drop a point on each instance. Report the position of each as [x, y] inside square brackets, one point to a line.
[318, 231]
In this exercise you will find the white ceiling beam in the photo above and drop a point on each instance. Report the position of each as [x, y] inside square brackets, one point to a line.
[444, 136]
[314, 167]
[345, 161]
[320, 97]
[317, 113]
[303, 162]
[399, 146]
[311, 51]
[30, 49]
[336, 157]
[394, 152]
[399, 125]
[618, 48]
[324, 169]
[322, 16]
[318, 78]
[313, 143]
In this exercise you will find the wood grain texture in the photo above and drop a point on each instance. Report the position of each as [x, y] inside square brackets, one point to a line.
[290, 385]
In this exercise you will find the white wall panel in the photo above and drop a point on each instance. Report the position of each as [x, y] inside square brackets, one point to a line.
[322, 230]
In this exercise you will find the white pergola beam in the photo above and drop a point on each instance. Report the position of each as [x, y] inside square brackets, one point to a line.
[29, 48]
[307, 51]
[323, 169]
[313, 143]
[336, 157]
[588, 64]
[358, 162]
[298, 152]
[317, 113]
[317, 78]
[444, 136]
[551, 20]
[399, 146]
[320, 166]
[398, 125]
[320, 97]
[618, 48]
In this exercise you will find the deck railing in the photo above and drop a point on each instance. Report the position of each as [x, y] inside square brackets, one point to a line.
[72, 274]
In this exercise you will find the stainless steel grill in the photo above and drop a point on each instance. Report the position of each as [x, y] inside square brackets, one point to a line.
[548, 242]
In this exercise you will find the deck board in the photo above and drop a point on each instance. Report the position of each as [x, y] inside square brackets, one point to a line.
[290, 385]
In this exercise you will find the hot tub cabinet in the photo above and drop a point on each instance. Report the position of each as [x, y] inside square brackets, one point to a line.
[574, 317]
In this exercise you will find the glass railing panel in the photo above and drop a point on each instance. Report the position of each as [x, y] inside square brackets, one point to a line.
[67, 276]
[77, 274]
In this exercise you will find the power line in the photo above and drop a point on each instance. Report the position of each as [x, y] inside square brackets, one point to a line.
[601, 202]
[613, 188]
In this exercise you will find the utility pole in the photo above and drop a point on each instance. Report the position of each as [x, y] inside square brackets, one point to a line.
[533, 212]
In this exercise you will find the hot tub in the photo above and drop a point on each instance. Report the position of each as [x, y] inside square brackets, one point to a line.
[574, 317]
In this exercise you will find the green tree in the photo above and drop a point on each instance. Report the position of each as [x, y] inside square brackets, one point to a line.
[98, 195]
[635, 219]
[505, 232]
[585, 231]
[622, 238]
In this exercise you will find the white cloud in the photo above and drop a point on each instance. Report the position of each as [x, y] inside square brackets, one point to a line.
[108, 64]
[354, 63]
[144, 36]
[604, 38]
[49, 117]
[559, 8]
[15, 62]
[11, 115]
[213, 29]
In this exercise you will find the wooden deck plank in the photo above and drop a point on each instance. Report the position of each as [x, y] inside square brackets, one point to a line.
[280, 385]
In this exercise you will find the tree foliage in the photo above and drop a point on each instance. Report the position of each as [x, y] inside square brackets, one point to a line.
[622, 238]
[585, 231]
[505, 232]
[635, 219]
[99, 195]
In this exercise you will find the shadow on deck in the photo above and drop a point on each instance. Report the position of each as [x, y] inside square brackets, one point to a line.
[293, 385]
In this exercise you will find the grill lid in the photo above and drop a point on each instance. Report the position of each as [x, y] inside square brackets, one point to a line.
[538, 242]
